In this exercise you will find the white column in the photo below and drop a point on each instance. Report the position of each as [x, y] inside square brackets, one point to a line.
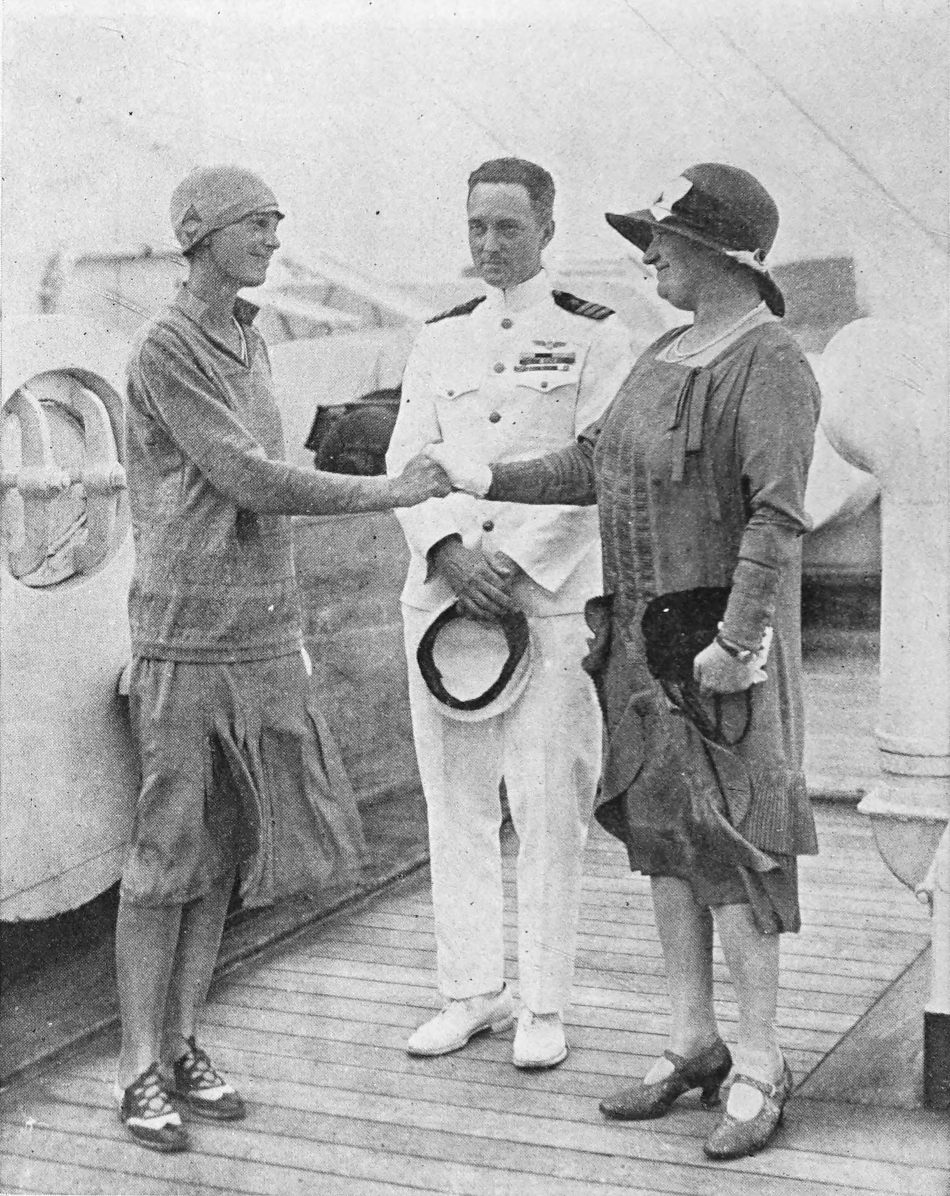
[886, 411]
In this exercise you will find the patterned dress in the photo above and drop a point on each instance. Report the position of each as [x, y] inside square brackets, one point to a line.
[699, 474]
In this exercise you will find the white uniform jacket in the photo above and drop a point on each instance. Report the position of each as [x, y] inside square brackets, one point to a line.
[513, 377]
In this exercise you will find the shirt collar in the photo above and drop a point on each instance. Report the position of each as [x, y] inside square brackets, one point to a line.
[526, 294]
[197, 310]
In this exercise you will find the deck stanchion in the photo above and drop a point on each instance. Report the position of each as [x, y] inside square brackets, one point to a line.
[935, 891]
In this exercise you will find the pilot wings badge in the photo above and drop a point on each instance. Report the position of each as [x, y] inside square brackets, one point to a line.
[546, 355]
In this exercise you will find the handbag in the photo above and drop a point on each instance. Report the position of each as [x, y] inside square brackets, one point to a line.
[677, 626]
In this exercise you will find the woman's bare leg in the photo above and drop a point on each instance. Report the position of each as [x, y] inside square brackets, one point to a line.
[199, 941]
[146, 938]
[685, 928]
[753, 961]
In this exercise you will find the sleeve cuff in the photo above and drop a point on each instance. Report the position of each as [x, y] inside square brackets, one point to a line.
[751, 604]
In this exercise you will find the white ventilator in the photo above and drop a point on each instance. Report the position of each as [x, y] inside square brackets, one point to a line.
[64, 576]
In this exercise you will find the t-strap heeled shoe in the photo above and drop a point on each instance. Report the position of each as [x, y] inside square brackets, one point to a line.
[642, 1102]
[734, 1139]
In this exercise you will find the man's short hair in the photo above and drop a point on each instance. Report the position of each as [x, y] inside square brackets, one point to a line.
[535, 180]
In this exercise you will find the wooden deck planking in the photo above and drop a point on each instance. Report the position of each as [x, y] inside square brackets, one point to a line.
[592, 1073]
[875, 933]
[296, 1115]
[811, 952]
[593, 986]
[594, 992]
[558, 1173]
[803, 971]
[410, 947]
[314, 1034]
[629, 1001]
[607, 1051]
[806, 1152]
[631, 909]
[637, 921]
[648, 978]
[893, 1069]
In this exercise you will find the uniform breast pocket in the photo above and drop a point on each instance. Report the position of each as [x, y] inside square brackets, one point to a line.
[547, 402]
[455, 397]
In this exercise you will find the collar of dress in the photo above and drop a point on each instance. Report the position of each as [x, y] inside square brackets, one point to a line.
[197, 310]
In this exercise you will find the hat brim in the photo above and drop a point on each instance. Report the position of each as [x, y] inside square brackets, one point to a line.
[264, 209]
[639, 227]
[634, 226]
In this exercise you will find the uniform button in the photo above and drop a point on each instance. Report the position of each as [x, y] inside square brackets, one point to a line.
[506, 323]
[499, 367]
[450, 393]
[544, 385]
[488, 526]
[494, 417]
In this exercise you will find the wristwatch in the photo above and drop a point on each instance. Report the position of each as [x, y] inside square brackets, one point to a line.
[743, 655]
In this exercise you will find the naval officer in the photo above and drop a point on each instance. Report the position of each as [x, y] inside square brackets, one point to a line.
[494, 626]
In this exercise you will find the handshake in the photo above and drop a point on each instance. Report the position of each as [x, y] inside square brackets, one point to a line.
[463, 474]
[483, 582]
[436, 472]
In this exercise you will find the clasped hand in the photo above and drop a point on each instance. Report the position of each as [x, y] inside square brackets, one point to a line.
[464, 474]
[421, 478]
[481, 582]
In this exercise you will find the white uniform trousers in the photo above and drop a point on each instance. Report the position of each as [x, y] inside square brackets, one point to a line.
[547, 746]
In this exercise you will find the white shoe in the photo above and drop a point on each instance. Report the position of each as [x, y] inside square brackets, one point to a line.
[539, 1041]
[459, 1021]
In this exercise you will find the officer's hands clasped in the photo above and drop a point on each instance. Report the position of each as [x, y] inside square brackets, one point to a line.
[481, 582]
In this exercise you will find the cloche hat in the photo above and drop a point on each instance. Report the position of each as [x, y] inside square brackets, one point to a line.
[721, 207]
[213, 197]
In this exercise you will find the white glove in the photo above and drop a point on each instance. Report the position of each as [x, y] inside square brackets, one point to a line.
[719, 672]
[464, 474]
[758, 664]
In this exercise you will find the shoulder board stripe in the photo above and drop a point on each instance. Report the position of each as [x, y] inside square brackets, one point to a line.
[581, 307]
[463, 309]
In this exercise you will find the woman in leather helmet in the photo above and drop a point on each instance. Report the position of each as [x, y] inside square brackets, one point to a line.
[699, 470]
